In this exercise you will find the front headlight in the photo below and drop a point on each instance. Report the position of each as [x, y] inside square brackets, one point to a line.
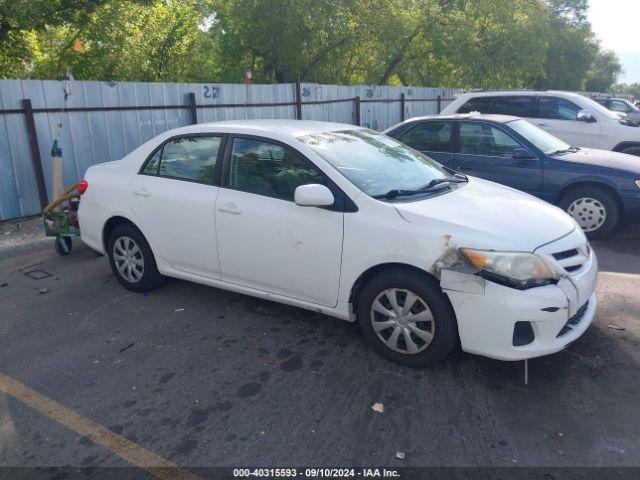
[512, 269]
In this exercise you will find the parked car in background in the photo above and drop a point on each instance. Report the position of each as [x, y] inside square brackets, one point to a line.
[621, 106]
[351, 223]
[574, 118]
[598, 188]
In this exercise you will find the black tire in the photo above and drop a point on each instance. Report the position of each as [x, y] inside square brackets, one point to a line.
[444, 329]
[633, 150]
[606, 200]
[63, 245]
[143, 281]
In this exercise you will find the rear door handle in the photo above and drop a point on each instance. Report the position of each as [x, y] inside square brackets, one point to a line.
[230, 208]
[142, 192]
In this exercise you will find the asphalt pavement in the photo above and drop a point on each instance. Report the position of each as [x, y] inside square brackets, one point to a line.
[202, 377]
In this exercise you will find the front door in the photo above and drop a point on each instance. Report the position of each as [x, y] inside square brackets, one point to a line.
[265, 240]
[173, 199]
[486, 151]
[558, 116]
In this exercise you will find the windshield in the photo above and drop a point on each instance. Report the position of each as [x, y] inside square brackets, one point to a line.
[373, 162]
[544, 141]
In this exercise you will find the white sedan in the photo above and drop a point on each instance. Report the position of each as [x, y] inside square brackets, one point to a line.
[351, 223]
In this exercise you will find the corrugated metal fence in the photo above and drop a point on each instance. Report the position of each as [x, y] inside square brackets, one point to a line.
[96, 122]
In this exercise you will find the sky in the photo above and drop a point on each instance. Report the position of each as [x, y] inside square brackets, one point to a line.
[616, 23]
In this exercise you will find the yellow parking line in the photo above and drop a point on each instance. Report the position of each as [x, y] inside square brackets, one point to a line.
[131, 452]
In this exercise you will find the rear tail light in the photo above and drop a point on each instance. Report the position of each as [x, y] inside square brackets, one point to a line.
[82, 186]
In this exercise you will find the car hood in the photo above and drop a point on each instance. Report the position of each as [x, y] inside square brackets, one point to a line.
[486, 215]
[603, 158]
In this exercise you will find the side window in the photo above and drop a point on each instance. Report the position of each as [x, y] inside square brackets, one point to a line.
[153, 165]
[478, 104]
[264, 168]
[429, 136]
[513, 105]
[618, 106]
[558, 109]
[186, 158]
[483, 139]
[190, 158]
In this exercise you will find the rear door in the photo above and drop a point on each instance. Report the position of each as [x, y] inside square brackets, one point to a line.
[173, 198]
[433, 138]
[558, 116]
[485, 150]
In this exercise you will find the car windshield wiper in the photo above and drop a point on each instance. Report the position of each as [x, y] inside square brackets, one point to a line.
[457, 178]
[566, 150]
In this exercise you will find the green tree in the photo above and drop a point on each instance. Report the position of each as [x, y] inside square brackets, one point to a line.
[572, 50]
[19, 20]
[604, 73]
[455, 43]
[125, 40]
[631, 88]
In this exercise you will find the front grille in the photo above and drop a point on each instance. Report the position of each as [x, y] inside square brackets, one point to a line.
[574, 321]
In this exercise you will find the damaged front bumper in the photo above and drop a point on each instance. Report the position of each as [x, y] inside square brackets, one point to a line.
[491, 316]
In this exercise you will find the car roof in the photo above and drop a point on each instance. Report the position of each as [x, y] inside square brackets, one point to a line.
[463, 116]
[294, 128]
[494, 93]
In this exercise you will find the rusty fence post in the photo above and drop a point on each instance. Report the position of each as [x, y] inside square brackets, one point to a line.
[36, 160]
[356, 105]
[193, 108]
[402, 107]
[298, 100]
[439, 103]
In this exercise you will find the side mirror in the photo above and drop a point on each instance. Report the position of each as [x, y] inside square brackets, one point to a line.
[585, 116]
[523, 154]
[313, 195]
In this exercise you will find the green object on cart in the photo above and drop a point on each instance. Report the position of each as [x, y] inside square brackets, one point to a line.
[62, 224]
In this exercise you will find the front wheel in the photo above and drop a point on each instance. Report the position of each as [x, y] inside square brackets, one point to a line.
[405, 317]
[132, 260]
[63, 245]
[593, 208]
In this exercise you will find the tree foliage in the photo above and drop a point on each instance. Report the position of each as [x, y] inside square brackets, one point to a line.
[457, 43]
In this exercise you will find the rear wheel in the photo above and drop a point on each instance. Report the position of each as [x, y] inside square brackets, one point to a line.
[132, 260]
[405, 317]
[595, 210]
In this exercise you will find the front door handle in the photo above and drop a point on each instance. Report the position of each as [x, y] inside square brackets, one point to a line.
[465, 169]
[230, 208]
[142, 192]
[543, 124]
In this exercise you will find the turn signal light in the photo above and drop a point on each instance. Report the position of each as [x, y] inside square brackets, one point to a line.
[82, 186]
